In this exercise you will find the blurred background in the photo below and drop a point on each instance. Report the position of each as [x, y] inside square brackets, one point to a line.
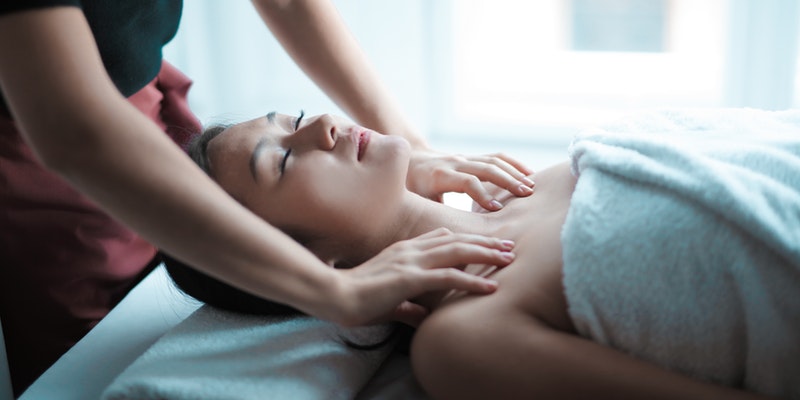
[518, 76]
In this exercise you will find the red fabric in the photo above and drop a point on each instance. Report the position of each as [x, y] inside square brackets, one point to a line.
[63, 262]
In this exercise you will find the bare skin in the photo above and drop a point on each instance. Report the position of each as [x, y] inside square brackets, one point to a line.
[315, 38]
[520, 342]
[517, 343]
[80, 127]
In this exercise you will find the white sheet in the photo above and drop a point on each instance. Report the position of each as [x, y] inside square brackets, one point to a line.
[216, 354]
[5, 378]
[149, 311]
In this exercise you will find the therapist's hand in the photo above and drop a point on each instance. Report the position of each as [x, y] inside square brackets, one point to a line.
[377, 290]
[431, 174]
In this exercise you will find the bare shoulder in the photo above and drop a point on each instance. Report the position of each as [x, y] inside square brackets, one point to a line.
[458, 341]
[518, 342]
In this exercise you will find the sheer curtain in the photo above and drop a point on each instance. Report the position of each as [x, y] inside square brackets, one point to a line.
[509, 75]
[240, 71]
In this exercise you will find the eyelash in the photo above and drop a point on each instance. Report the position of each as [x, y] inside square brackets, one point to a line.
[289, 151]
[300, 118]
[285, 158]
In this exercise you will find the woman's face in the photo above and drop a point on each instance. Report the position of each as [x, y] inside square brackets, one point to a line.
[319, 178]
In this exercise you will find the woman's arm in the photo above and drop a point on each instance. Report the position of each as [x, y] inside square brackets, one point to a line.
[314, 35]
[80, 126]
[499, 351]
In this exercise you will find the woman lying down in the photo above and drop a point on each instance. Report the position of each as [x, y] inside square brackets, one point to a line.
[649, 266]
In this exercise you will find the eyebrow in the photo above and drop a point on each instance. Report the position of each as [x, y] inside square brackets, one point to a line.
[260, 147]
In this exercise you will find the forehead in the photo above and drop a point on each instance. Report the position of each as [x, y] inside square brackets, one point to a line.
[238, 138]
[230, 152]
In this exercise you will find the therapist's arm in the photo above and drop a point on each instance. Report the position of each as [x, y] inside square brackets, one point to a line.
[316, 38]
[314, 35]
[81, 127]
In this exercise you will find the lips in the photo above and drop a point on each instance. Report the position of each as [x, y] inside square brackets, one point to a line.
[362, 142]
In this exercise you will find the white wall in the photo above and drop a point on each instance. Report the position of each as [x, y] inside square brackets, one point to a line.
[241, 72]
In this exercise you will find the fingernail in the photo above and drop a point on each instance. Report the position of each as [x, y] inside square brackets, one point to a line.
[491, 284]
[525, 189]
[507, 244]
[507, 256]
[528, 181]
[495, 205]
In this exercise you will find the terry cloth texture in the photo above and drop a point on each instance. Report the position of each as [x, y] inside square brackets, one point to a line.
[682, 243]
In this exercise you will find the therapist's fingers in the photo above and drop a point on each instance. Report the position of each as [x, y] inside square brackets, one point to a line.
[506, 165]
[459, 254]
[516, 164]
[500, 174]
[500, 169]
[453, 279]
[431, 174]
[443, 236]
[443, 249]
[472, 186]
[508, 173]
[410, 268]
[466, 174]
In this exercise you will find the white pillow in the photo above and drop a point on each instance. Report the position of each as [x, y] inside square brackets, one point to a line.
[222, 355]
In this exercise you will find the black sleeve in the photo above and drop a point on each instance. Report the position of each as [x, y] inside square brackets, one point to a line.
[9, 6]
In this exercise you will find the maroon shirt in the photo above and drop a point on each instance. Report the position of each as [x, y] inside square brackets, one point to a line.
[64, 263]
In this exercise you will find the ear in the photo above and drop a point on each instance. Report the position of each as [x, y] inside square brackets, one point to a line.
[328, 260]
[343, 264]
[329, 251]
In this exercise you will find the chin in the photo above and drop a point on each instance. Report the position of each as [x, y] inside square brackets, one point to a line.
[391, 162]
[399, 147]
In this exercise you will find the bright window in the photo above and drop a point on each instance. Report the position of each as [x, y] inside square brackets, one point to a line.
[478, 72]
[559, 64]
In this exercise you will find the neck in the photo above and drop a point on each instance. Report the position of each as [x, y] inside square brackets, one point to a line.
[421, 215]
[417, 216]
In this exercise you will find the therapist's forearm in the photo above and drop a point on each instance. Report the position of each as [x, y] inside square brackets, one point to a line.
[314, 35]
[79, 125]
[140, 177]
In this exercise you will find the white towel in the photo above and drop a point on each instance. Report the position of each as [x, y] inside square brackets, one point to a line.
[215, 354]
[682, 243]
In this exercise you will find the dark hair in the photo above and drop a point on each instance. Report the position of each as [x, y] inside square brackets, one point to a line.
[197, 148]
[221, 295]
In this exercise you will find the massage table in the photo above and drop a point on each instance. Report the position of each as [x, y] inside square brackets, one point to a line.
[151, 309]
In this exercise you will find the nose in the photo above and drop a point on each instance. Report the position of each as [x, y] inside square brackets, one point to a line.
[318, 133]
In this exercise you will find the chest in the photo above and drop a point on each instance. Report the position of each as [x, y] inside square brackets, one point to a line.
[533, 282]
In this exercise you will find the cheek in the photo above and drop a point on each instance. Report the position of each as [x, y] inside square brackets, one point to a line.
[314, 198]
[327, 197]
[347, 197]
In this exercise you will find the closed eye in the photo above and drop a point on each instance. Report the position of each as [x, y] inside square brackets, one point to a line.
[285, 158]
[297, 121]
